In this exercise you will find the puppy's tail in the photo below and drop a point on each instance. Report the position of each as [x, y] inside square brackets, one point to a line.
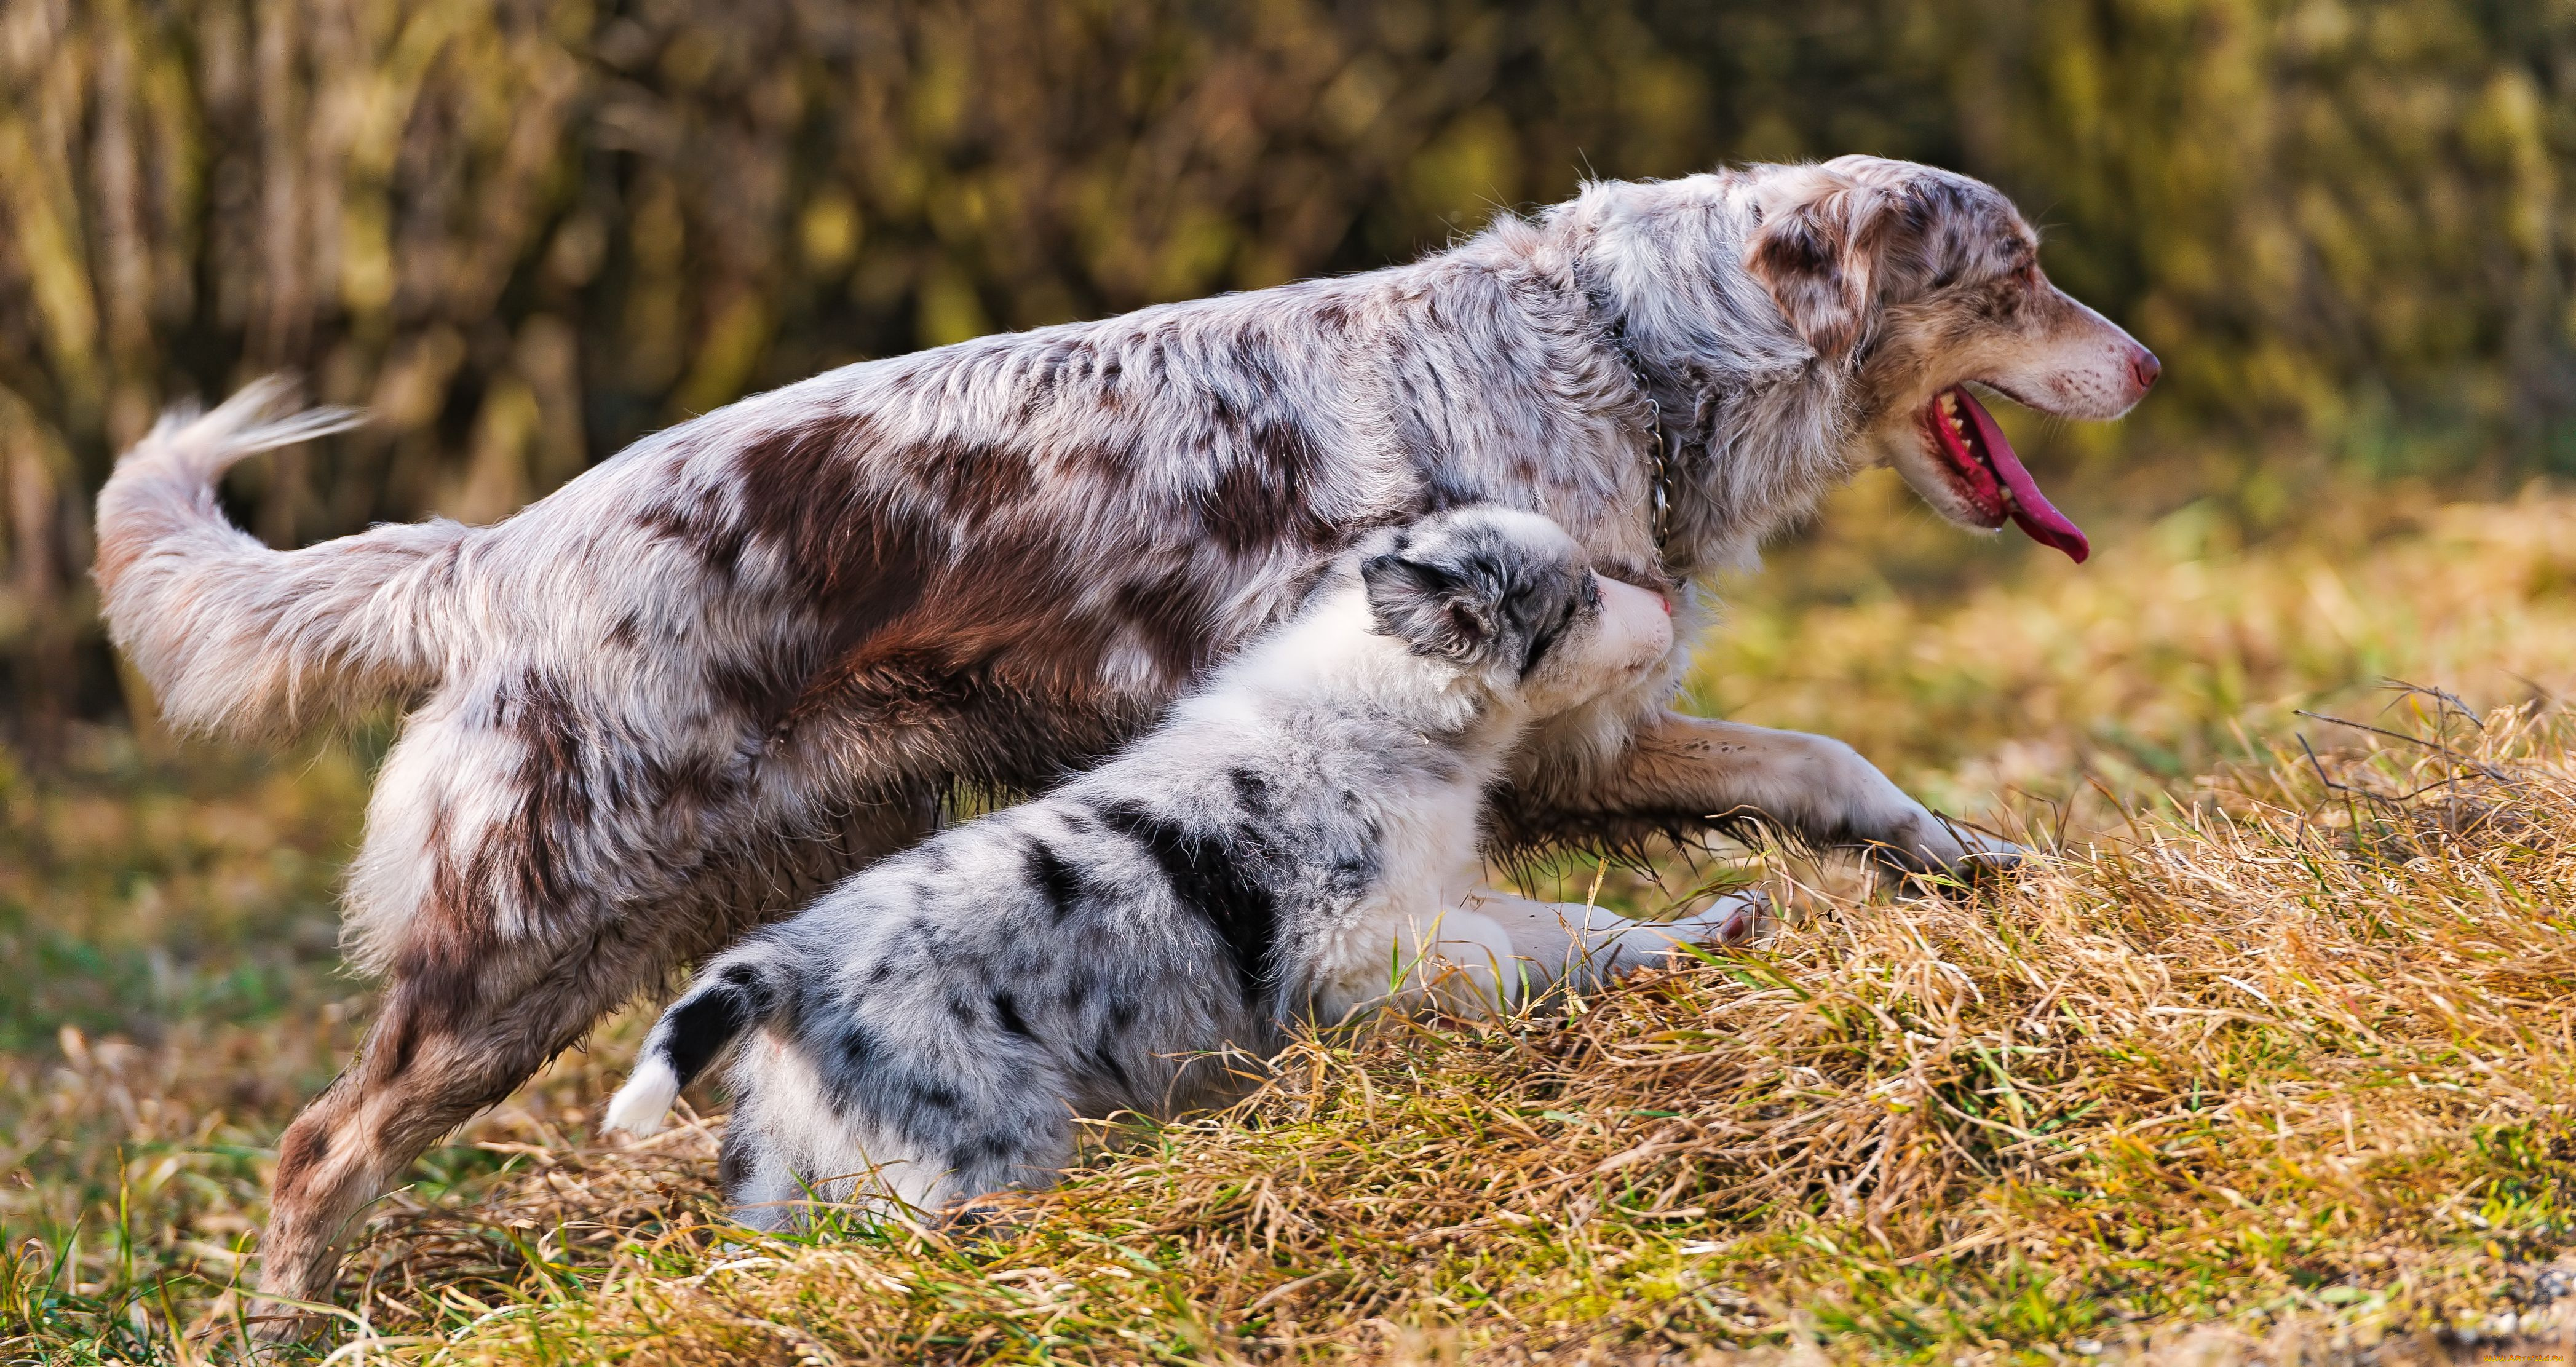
[234, 636]
[715, 1011]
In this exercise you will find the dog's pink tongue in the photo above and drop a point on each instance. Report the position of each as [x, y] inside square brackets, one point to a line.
[2031, 510]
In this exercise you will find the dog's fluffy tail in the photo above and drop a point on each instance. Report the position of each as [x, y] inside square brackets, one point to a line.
[234, 636]
[715, 1011]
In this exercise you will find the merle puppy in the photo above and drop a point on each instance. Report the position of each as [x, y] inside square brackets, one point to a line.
[1292, 842]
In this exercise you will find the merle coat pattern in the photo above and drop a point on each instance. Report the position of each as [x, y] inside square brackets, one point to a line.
[1293, 841]
[750, 653]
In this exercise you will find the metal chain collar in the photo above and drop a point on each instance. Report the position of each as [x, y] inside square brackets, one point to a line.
[1658, 444]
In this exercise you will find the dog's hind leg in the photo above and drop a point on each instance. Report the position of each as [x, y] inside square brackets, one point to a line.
[761, 1186]
[452, 1038]
[469, 1012]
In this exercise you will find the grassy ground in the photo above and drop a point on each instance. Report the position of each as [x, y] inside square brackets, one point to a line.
[2267, 1064]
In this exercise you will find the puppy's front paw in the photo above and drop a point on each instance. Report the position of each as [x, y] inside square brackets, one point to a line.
[1734, 921]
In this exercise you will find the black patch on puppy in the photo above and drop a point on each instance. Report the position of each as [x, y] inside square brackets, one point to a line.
[1058, 882]
[1007, 1011]
[1208, 881]
[705, 1023]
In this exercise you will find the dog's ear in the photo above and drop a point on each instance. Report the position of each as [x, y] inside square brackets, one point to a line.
[1818, 250]
[1433, 611]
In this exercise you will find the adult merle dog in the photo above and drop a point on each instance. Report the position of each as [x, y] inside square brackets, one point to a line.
[754, 651]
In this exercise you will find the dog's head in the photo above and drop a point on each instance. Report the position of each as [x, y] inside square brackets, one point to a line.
[1924, 282]
[1507, 598]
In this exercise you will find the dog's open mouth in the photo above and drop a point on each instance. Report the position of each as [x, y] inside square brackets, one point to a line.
[1984, 470]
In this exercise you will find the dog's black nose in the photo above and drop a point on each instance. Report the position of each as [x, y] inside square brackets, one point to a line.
[2144, 368]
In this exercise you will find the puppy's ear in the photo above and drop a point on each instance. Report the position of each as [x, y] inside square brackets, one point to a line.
[1432, 611]
[1818, 250]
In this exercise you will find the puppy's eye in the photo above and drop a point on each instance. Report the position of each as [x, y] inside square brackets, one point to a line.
[1558, 624]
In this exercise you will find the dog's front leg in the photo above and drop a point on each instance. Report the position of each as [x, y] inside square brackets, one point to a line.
[1419, 959]
[1585, 946]
[1685, 772]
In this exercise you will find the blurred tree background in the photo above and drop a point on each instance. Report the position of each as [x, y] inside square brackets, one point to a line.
[525, 231]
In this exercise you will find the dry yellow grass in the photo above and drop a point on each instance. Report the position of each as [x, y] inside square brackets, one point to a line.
[2298, 1057]
[2256, 1067]
[2143, 667]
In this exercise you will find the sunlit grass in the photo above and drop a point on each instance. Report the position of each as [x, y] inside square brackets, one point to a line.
[2258, 1060]
[2299, 1057]
[1966, 671]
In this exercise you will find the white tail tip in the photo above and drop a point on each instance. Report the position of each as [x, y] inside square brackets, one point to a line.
[262, 417]
[640, 1105]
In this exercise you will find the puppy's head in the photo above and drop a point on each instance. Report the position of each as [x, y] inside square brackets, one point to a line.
[1925, 282]
[1508, 599]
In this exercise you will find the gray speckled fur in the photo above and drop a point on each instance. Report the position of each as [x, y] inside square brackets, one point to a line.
[928, 1030]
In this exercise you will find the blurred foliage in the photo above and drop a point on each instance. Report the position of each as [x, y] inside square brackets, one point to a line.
[524, 231]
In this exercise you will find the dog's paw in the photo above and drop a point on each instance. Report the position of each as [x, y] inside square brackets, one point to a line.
[1736, 921]
[1942, 855]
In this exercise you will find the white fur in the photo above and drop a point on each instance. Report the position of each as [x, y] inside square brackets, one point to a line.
[641, 1105]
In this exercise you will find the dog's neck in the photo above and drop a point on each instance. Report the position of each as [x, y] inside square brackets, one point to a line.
[1656, 444]
[1757, 426]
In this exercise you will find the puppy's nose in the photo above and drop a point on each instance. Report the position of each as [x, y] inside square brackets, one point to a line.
[2144, 368]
